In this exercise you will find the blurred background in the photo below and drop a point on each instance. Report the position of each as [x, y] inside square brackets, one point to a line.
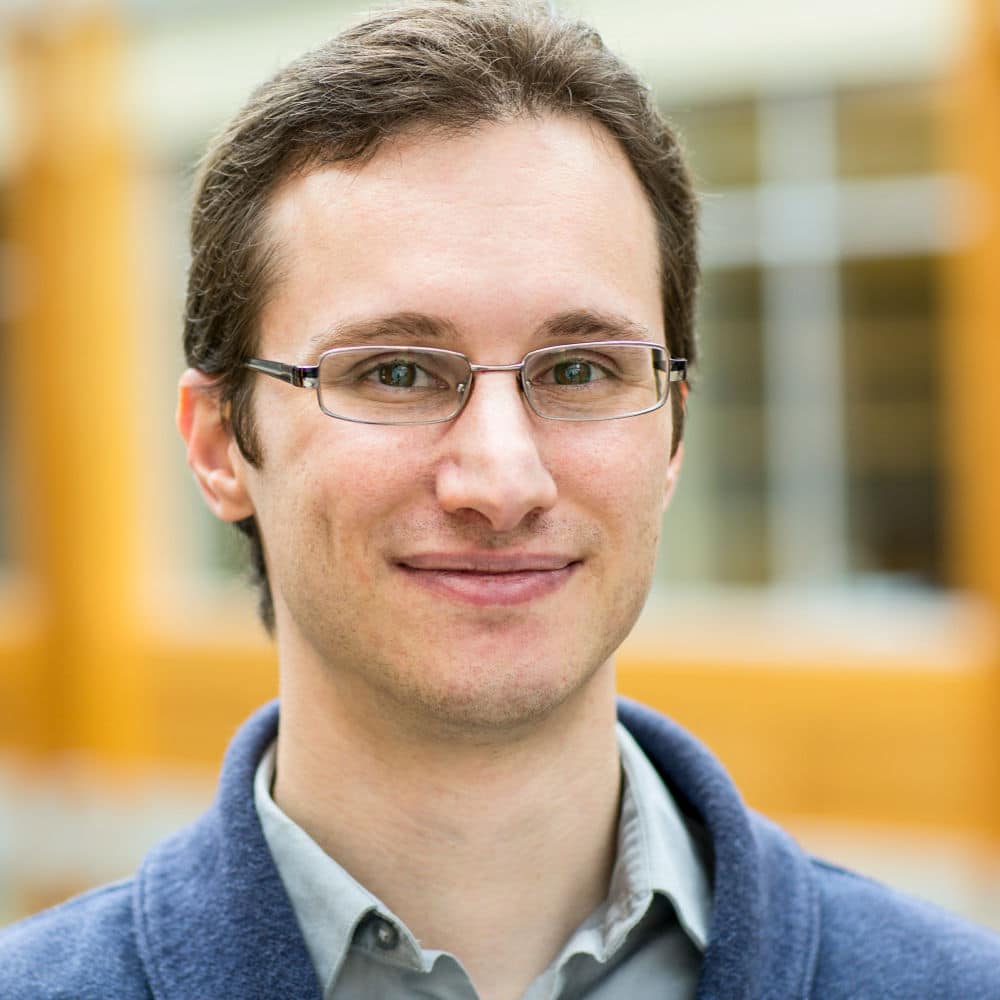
[827, 610]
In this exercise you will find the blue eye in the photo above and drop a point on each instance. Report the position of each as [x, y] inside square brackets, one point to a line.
[398, 374]
[573, 373]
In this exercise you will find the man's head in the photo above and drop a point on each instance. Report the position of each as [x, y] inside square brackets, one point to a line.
[445, 69]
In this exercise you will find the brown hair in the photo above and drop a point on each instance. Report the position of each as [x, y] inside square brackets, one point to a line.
[450, 65]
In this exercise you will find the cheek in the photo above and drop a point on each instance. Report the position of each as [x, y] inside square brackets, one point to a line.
[635, 497]
[626, 487]
[338, 487]
[625, 469]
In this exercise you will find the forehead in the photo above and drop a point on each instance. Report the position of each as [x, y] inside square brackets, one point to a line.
[497, 228]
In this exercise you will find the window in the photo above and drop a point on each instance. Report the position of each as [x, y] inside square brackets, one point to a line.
[812, 451]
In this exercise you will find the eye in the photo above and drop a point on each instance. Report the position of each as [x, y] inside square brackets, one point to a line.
[403, 373]
[576, 372]
[399, 374]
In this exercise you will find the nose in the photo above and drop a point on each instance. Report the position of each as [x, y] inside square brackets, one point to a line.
[492, 464]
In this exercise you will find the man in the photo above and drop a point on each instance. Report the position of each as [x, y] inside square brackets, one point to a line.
[463, 231]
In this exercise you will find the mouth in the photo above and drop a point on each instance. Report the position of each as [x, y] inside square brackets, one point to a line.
[485, 579]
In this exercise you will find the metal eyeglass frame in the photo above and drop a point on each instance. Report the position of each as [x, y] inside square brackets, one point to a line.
[307, 377]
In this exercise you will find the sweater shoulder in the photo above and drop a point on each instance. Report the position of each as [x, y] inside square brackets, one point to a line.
[880, 943]
[84, 949]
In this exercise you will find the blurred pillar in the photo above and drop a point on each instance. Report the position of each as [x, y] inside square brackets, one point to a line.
[972, 345]
[971, 349]
[75, 375]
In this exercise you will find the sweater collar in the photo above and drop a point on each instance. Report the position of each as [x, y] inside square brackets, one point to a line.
[213, 918]
[212, 915]
[763, 936]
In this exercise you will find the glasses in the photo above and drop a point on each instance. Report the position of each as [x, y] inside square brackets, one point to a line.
[389, 384]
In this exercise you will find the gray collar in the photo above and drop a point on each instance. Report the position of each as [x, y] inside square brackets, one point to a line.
[657, 855]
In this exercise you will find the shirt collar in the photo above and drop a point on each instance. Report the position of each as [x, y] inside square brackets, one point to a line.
[656, 850]
[329, 904]
[656, 856]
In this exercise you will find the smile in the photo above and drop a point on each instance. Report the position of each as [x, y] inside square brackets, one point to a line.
[490, 579]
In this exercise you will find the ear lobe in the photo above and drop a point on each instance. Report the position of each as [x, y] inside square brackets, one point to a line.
[212, 453]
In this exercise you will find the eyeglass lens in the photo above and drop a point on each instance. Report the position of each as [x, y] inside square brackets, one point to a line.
[402, 385]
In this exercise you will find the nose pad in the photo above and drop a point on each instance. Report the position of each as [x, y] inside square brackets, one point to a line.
[493, 464]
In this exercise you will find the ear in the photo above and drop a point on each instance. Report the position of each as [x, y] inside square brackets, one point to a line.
[677, 459]
[212, 452]
[673, 471]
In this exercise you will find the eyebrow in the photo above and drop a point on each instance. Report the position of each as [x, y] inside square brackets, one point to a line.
[397, 328]
[420, 328]
[588, 324]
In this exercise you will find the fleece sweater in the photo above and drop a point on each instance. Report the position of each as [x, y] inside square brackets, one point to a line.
[206, 916]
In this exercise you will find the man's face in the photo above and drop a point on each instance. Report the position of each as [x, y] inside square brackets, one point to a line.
[473, 574]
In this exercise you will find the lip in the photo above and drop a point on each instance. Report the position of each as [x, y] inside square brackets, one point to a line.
[484, 579]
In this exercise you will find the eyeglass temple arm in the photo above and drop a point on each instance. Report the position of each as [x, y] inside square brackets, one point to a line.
[678, 368]
[301, 376]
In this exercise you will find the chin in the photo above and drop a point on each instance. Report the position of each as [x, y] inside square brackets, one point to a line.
[500, 700]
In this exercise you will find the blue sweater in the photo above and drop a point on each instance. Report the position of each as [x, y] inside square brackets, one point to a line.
[207, 918]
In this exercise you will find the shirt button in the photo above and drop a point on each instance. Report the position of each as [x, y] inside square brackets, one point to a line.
[386, 936]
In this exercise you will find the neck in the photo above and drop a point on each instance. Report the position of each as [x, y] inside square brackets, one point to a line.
[455, 838]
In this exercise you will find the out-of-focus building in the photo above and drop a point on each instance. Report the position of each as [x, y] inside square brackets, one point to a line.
[826, 612]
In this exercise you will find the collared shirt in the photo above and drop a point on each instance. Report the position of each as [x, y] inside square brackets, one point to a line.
[645, 940]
